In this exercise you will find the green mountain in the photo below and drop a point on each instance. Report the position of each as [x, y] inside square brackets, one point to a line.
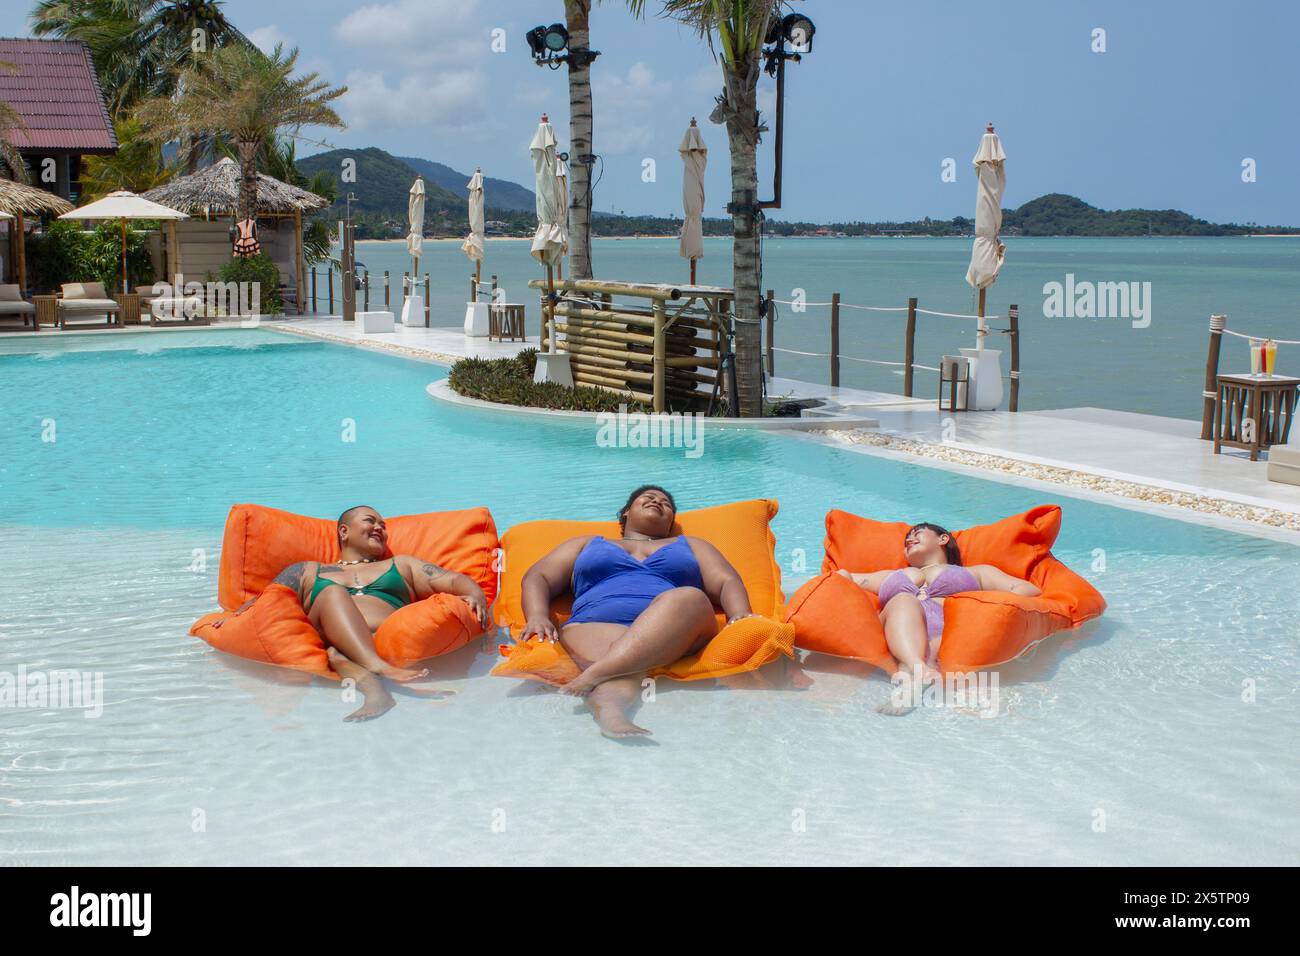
[498, 193]
[383, 183]
[1059, 215]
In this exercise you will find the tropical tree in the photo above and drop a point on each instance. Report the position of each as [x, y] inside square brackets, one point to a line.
[10, 158]
[137, 165]
[139, 47]
[735, 30]
[245, 96]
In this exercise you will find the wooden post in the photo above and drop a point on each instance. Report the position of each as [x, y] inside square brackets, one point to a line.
[1013, 320]
[548, 317]
[659, 356]
[770, 330]
[692, 272]
[909, 347]
[299, 263]
[1217, 324]
[21, 240]
[331, 278]
[473, 288]
[835, 339]
[313, 290]
[126, 286]
[428, 306]
[387, 301]
[494, 289]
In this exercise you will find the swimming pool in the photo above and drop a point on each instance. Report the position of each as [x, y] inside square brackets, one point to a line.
[1161, 734]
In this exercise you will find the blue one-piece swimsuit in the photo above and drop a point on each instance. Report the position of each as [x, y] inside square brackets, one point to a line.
[613, 587]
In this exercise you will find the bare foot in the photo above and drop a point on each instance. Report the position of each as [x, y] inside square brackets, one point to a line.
[580, 686]
[401, 674]
[904, 693]
[376, 702]
[613, 722]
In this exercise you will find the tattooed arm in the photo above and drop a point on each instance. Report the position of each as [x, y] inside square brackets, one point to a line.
[431, 579]
[291, 577]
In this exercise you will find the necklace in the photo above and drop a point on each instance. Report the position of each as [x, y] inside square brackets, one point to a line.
[344, 564]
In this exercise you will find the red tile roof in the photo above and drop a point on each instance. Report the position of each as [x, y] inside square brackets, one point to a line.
[57, 94]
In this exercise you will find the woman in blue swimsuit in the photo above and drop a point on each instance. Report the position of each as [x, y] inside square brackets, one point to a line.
[644, 601]
[347, 601]
[911, 600]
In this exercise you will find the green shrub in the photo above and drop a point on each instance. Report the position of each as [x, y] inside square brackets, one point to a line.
[259, 269]
[510, 381]
[66, 253]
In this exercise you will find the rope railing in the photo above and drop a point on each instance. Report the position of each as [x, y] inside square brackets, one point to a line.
[909, 364]
[1210, 393]
[363, 276]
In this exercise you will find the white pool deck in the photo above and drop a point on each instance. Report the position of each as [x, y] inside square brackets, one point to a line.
[1163, 454]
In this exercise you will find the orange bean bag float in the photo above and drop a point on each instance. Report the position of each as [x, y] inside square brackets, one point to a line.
[261, 542]
[833, 615]
[740, 530]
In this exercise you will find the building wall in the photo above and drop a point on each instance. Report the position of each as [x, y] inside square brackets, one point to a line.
[205, 246]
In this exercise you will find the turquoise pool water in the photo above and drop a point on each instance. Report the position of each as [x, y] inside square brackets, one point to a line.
[1163, 733]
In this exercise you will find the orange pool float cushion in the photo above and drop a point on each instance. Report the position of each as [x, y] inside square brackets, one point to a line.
[981, 628]
[740, 530]
[260, 542]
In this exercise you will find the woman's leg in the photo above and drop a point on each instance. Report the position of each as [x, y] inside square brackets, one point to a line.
[908, 640]
[677, 622]
[341, 623]
[376, 699]
[611, 702]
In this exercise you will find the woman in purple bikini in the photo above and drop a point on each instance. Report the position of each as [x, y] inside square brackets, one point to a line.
[640, 602]
[911, 598]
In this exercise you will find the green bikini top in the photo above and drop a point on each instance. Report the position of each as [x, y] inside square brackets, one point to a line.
[389, 586]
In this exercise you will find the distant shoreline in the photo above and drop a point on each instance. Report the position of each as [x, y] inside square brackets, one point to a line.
[1249, 235]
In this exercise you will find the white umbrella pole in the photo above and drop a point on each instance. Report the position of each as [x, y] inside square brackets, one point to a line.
[983, 329]
[550, 309]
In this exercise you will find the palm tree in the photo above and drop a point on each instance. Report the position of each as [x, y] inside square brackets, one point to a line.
[735, 30]
[138, 46]
[10, 158]
[137, 165]
[245, 96]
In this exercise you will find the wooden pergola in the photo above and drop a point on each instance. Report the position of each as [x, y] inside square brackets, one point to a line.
[21, 201]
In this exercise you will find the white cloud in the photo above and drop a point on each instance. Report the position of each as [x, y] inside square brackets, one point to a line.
[265, 38]
[625, 108]
[371, 104]
[421, 34]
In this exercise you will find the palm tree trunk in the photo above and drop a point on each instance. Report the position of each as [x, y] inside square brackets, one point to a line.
[575, 16]
[248, 180]
[746, 265]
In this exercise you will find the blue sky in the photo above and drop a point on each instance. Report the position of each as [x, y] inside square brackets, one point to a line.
[1184, 92]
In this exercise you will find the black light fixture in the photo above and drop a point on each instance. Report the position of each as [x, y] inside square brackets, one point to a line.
[797, 30]
[548, 46]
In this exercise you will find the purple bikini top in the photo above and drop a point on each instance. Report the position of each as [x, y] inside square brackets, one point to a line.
[953, 579]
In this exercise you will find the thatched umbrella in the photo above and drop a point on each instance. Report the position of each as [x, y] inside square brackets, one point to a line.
[20, 201]
[214, 191]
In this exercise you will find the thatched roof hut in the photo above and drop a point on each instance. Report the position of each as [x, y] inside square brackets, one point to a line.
[214, 191]
[16, 198]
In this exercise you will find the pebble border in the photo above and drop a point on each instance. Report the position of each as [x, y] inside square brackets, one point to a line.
[1204, 504]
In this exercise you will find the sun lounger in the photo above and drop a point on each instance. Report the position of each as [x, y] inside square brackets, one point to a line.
[13, 305]
[82, 300]
[176, 310]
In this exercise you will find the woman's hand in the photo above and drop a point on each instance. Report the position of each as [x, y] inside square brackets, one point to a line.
[477, 602]
[539, 627]
[741, 617]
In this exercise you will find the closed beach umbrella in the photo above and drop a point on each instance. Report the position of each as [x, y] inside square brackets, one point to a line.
[548, 241]
[695, 156]
[473, 244]
[986, 257]
[415, 214]
[124, 205]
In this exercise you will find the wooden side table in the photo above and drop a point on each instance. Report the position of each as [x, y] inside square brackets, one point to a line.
[130, 304]
[47, 309]
[1254, 411]
[505, 320]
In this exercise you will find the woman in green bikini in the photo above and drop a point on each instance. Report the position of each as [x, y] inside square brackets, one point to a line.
[347, 601]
